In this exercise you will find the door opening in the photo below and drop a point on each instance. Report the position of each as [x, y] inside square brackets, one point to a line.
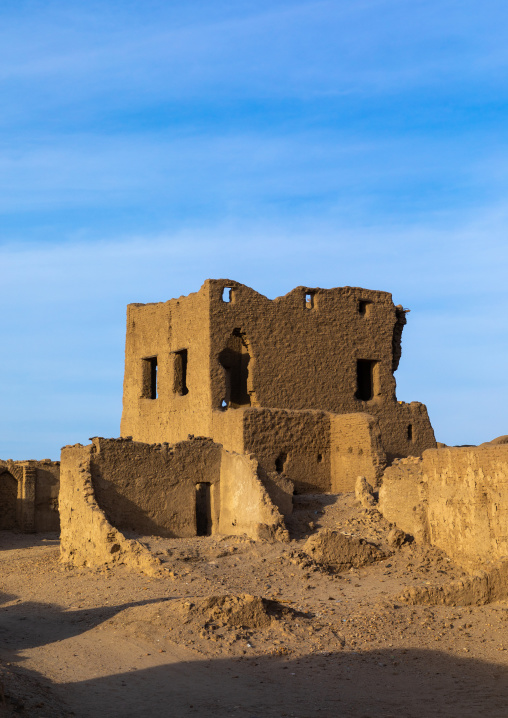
[203, 509]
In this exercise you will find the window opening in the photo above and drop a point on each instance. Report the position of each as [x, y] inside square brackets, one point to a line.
[180, 376]
[223, 404]
[364, 306]
[365, 379]
[235, 359]
[410, 432]
[320, 458]
[150, 378]
[279, 462]
[203, 509]
[309, 300]
[227, 295]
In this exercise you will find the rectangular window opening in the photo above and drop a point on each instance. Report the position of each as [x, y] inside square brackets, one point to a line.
[150, 378]
[365, 379]
[227, 295]
[410, 432]
[309, 300]
[364, 306]
[180, 376]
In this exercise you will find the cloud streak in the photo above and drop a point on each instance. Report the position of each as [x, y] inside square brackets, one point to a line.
[67, 304]
[147, 146]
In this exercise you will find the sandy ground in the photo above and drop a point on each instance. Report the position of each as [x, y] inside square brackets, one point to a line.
[247, 629]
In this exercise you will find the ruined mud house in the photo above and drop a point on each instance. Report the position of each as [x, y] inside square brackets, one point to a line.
[234, 402]
[304, 382]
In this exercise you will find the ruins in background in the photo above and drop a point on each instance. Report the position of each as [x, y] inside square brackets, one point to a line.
[29, 495]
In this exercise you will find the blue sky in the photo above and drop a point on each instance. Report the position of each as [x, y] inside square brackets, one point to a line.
[145, 146]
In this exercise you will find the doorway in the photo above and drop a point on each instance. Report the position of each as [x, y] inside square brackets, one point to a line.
[203, 509]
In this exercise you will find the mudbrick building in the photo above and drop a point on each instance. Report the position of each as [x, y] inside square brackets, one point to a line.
[29, 495]
[305, 382]
[234, 403]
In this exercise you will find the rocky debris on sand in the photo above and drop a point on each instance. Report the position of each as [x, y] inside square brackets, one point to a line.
[364, 493]
[396, 537]
[243, 611]
[338, 552]
[233, 624]
[477, 589]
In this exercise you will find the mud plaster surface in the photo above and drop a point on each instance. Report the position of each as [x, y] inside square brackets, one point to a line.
[242, 628]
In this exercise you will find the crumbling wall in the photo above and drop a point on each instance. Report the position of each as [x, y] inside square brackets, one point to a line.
[227, 348]
[47, 487]
[303, 346]
[176, 334]
[29, 495]
[245, 506]
[151, 488]
[87, 537]
[318, 451]
[192, 488]
[453, 498]
[8, 498]
[356, 450]
[295, 444]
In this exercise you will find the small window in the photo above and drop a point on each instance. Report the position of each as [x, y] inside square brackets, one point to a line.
[365, 369]
[227, 295]
[309, 300]
[410, 432]
[223, 405]
[149, 378]
[180, 373]
[364, 306]
[320, 458]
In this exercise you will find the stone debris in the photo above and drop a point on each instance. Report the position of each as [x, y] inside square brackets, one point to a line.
[364, 493]
[396, 537]
[338, 552]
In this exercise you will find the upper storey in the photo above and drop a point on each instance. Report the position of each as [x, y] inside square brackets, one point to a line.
[226, 346]
[328, 349]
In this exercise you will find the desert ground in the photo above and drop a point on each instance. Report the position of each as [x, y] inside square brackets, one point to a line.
[234, 627]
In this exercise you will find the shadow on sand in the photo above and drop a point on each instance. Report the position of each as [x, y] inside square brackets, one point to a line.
[376, 684]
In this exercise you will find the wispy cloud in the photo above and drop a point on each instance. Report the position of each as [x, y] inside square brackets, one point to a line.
[66, 312]
[147, 146]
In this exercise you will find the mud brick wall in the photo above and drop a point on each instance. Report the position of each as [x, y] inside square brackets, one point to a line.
[194, 362]
[453, 498]
[191, 488]
[29, 495]
[151, 488]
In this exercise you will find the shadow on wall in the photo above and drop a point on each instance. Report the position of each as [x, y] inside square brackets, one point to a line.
[8, 500]
[29, 495]
[127, 515]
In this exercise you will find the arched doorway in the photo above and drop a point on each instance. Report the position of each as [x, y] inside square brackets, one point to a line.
[235, 359]
[8, 500]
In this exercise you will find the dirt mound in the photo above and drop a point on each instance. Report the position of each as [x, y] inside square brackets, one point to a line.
[338, 552]
[242, 611]
[229, 624]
